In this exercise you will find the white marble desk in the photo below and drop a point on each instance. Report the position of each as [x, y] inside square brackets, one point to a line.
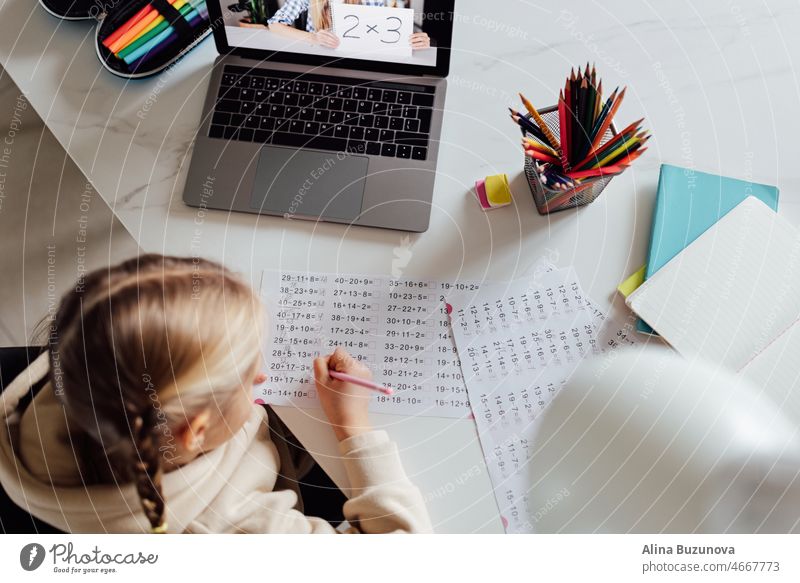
[716, 82]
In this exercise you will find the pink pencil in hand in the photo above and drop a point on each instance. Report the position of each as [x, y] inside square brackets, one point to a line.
[347, 378]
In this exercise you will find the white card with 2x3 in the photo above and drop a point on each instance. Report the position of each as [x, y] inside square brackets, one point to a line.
[371, 29]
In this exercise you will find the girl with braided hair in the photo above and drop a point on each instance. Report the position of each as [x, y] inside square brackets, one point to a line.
[145, 420]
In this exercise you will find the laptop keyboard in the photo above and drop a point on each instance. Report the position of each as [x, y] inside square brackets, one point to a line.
[375, 118]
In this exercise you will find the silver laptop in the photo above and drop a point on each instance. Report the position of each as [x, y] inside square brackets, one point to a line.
[324, 110]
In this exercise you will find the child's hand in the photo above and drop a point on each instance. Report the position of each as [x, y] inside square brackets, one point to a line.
[420, 40]
[345, 404]
[326, 38]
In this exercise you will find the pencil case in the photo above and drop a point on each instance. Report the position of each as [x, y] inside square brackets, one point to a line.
[549, 200]
[139, 38]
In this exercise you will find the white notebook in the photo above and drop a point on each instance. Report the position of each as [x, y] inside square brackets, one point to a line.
[776, 370]
[730, 293]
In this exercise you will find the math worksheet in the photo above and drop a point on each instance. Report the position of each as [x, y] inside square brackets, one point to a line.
[398, 327]
[518, 344]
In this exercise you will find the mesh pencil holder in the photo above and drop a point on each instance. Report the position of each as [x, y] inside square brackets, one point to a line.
[549, 200]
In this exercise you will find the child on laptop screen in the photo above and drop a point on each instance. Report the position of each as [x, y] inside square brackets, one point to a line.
[318, 23]
[146, 422]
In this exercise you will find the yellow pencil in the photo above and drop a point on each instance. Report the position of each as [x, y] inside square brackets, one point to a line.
[542, 126]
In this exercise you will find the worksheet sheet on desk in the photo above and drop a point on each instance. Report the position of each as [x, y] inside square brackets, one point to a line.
[398, 327]
[518, 344]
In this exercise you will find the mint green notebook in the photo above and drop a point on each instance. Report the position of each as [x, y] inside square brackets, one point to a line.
[687, 204]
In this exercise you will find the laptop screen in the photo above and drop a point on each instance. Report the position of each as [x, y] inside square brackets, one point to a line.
[406, 32]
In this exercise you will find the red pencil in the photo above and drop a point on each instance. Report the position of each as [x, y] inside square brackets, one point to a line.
[562, 126]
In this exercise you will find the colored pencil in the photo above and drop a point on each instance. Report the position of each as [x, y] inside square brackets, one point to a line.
[540, 122]
[126, 27]
[607, 121]
[344, 377]
[562, 126]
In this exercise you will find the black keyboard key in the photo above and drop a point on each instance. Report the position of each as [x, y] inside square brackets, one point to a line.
[366, 121]
[311, 128]
[301, 86]
[252, 121]
[404, 97]
[357, 133]
[246, 106]
[231, 133]
[336, 117]
[291, 99]
[257, 82]
[419, 153]
[395, 110]
[221, 118]
[228, 79]
[261, 109]
[228, 105]
[287, 86]
[374, 94]
[387, 136]
[356, 147]
[242, 81]
[307, 114]
[351, 119]
[424, 99]
[404, 151]
[341, 132]
[276, 97]
[315, 88]
[267, 123]
[389, 96]
[381, 122]
[411, 125]
[291, 111]
[320, 103]
[359, 92]
[289, 139]
[326, 143]
[364, 107]
[345, 92]
[229, 92]
[326, 129]
[329, 89]
[261, 136]
[216, 131]
[412, 139]
[277, 111]
[380, 108]
[273, 84]
[237, 119]
[410, 111]
[373, 149]
[350, 105]
[245, 135]
[261, 95]
[306, 100]
[320, 115]
[247, 94]
[396, 123]
[388, 150]
[372, 135]
[424, 115]
[296, 126]
[301, 141]
[335, 103]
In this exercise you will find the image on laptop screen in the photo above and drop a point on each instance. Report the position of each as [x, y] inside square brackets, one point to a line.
[397, 31]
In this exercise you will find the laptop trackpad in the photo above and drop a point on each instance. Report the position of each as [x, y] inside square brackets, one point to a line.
[309, 183]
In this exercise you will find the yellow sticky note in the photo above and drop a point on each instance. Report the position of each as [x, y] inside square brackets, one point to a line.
[497, 190]
[628, 286]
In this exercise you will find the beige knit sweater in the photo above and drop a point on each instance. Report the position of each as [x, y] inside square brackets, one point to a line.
[231, 489]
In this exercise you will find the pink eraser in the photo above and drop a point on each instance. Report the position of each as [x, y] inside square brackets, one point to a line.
[480, 192]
